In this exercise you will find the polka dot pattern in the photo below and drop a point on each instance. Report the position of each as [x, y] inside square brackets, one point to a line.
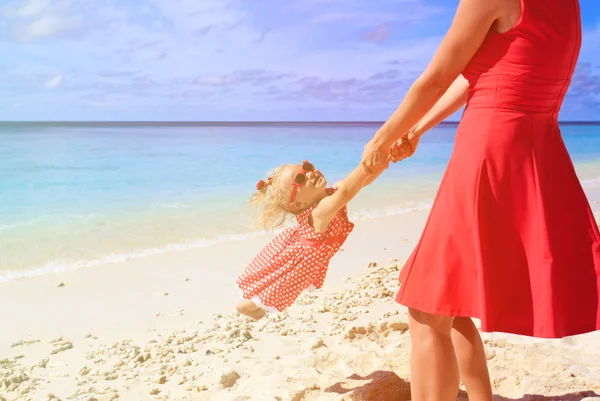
[293, 261]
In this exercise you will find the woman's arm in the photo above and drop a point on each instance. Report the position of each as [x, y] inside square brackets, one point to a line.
[454, 98]
[471, 24]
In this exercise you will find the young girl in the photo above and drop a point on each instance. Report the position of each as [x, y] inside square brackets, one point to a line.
[297, 258]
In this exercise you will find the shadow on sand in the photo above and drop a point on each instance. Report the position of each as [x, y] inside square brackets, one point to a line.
[387, 386]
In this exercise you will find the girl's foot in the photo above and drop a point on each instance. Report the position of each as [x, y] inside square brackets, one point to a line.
[249, 308]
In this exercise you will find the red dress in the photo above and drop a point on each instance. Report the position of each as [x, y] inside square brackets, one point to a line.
[511, 238]
[295, 260]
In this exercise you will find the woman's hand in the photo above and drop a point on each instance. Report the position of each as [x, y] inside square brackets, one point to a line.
[375, 157]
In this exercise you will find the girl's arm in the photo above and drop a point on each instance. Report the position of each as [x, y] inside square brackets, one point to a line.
[347, 189]
[371, 178]
[471, 24]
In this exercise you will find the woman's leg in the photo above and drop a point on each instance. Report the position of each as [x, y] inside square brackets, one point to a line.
[472, 362]
[433, 367]
[249, 308]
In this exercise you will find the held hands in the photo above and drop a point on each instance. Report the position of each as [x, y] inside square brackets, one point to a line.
[377, 158]
[404, 147]
[400, 150]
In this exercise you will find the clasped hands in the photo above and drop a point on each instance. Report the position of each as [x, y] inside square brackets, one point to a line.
[377, 158]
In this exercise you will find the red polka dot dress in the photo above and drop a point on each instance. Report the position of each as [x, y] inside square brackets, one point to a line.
[295, 260]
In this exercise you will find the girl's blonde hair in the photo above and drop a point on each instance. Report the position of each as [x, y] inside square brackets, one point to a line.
[271, 202]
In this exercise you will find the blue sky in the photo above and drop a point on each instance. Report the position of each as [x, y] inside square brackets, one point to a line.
[233, 60]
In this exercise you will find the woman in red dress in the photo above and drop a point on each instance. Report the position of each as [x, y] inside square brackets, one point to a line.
[510, 239]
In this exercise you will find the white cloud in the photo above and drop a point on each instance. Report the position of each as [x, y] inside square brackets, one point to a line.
[102, 104]
[379, 34]
[54, 83]
[45, 27]
[362, 13]
[31, 20]
[590, 46]
[29, 8]
[215, 80]
[190, 16]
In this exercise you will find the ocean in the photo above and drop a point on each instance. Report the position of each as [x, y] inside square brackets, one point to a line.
[75, 195]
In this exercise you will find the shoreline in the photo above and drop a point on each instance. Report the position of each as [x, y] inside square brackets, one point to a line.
[146, 278]
[365, 208]
[94, 239]
[58, 266]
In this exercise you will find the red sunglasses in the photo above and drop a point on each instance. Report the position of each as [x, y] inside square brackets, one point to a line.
[300, 179]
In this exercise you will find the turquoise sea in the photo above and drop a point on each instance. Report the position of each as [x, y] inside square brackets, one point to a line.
[81, 194]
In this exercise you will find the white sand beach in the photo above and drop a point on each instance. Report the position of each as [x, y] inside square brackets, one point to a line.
[163, 327]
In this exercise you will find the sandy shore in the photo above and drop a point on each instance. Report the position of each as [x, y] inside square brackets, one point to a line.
[162, 327]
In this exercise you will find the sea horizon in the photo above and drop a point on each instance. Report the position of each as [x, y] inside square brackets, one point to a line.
[75, 123]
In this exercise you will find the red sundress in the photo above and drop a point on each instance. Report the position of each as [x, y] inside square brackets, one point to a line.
[511, 238]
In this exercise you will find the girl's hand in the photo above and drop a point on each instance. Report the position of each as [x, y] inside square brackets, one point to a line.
[404, 147]
[400, 150]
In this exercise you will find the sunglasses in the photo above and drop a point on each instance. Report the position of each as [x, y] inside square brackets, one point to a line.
[300, 179]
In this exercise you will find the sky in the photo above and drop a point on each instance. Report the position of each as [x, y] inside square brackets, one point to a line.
[234, 60]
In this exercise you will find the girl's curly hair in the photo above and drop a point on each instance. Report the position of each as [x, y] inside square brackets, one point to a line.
[271, 202]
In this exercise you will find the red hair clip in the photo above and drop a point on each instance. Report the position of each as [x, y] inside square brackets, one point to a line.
[263, 184]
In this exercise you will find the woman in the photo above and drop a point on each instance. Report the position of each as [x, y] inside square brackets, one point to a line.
[511, 238]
